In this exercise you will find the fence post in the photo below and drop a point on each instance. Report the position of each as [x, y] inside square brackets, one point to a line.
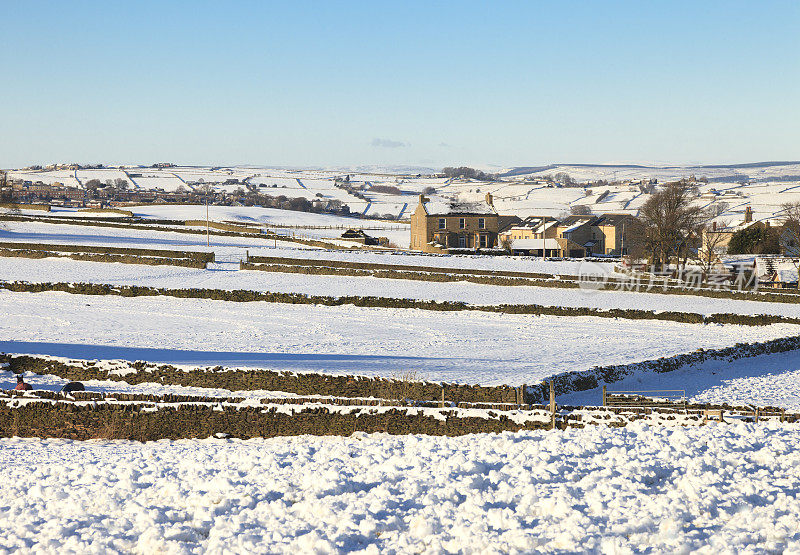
[524, 391]
[756, 415]
[604, 395]
[783, 415]
[441, 402]
[552, 406]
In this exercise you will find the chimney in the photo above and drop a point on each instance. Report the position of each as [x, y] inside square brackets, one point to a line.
[422, 199]
[748, 215]
[713, 226]
[489, 199]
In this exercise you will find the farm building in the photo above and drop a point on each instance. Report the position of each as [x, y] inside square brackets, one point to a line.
[442, 226]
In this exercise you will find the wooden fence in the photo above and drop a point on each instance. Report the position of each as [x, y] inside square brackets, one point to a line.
[676, 400]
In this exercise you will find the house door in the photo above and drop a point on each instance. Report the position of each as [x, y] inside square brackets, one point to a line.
[462, 242]
[483, 241]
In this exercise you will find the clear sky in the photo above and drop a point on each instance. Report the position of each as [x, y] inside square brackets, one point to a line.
[422, 83]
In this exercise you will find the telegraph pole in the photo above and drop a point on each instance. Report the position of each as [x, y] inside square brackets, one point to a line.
[208, 232]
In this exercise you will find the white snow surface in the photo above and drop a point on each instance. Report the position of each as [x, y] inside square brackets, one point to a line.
[713, 489]
[766, 380]
[464, 346]
[227, 276]
[142, 238]
[256, 214]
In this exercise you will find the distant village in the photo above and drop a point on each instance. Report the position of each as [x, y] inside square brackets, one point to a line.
[117, 193]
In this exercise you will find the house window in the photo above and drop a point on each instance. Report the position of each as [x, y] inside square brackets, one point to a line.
[481, 223]
[462, 223]
[462, 241]
[483, 241]
[442, 224]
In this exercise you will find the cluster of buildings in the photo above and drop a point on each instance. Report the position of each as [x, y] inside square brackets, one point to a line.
[57, 194]
[451, 226]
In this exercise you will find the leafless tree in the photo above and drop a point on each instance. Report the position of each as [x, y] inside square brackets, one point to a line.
[205, 189]
[5, 188]
[790, 236]
[718, 209]
[91, 187]
[671, 222]
[580, 210]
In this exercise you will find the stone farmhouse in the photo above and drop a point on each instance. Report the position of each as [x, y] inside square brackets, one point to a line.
[444, 226]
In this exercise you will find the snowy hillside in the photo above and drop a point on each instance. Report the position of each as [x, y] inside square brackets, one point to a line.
[385, 191]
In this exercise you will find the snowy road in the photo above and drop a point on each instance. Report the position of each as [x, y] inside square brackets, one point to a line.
[713, 489]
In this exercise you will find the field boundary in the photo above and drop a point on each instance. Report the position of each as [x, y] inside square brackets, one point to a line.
[101, 249]
[92, 416]
[389, 302]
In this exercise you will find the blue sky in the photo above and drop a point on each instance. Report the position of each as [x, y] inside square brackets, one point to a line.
[421, 83]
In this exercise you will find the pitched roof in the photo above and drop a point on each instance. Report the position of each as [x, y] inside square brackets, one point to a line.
[574, 222]
[535, 244]
[612, 219]
[455, 208]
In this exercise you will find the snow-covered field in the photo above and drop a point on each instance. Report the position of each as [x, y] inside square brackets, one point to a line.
[765, 380]
[256, 214]
[712, 489]
[709, 489]
[469, 346]
[227, 276]
[36, 232]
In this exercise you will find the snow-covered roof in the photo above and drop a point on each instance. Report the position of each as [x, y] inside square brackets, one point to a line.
[574, 226]
[782, 268]
[546, 225]
[452, 208]
[534, 244]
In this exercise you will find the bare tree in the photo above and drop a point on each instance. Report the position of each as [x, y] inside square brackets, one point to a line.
[790, 236]
[205, 189]
[671, 222]
[580, 210]
[6, 194]
[718, 209]
[120, 184]
[91, 187]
